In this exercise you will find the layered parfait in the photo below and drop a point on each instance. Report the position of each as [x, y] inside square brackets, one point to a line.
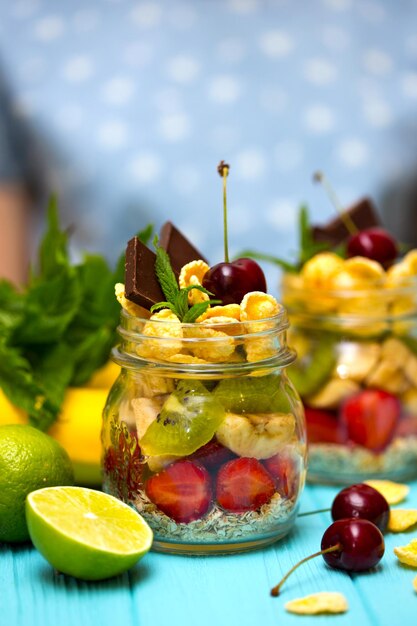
[352, 302]
[203, 431]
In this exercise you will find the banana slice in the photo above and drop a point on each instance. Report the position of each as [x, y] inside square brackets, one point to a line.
[332, 394]
[395, 352]
[258, 435]
[356, 360]
[389, 377]
[410, 369]
[409, 401]
[146, 411]
[150, 385]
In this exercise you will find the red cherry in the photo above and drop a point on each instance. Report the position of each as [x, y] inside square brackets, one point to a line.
[285, 471]
[361, 544]
[370, 418]
[362, 502]
[322, 426]
[182, 491]
[231, 281]
[374, 243]
[351, 544]
[243, 485]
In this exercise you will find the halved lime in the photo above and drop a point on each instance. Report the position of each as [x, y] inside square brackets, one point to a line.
[86, 533]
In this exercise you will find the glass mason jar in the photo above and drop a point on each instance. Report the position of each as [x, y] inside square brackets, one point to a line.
[203, 433]
[356, 373]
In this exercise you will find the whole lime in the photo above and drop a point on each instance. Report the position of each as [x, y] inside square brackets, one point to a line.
[29, 460]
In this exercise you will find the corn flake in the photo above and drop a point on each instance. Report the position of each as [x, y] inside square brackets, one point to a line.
[401, 519]
[127, 305]
[192, 274]
[160, 346]
[407, 554]
[392, 492]
[318, 271]
[316, 603]
[218, 347]
[257, 305]
[227, 310]
[185, 358]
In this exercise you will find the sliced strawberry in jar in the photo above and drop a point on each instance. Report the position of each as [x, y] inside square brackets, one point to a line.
[182, 491]
[284, 470]
[212, 455]
[243, 484]
[370, 418]
[322, 426]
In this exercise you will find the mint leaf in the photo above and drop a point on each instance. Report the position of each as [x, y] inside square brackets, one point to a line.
[198, 309]
[50, 306]
[19, 385]
[285, 265]
[165, 275]
[53, 250]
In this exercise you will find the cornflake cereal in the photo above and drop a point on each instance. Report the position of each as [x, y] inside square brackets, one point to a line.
[127, 305]
[407, 554]
[192, 274]
[154, 348]
[319, 270]
[226, 310]
[257, 305]
[392, 492]
[401, 519]
[215, 352]
[317, 603]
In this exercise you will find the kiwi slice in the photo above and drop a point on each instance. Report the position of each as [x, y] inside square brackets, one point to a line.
[253, 394]
[188, 419]
[312, 371]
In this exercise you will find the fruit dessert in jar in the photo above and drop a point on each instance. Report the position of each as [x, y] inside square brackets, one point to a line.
[203, 432]
[354, 326]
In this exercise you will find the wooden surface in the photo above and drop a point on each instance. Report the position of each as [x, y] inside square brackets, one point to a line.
[205, 591]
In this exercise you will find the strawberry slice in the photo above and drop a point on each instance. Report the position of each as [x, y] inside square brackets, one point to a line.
[322, 426]
[243, 485]
[285, 472]
[182, 491]
[212, 455]
[370, 418]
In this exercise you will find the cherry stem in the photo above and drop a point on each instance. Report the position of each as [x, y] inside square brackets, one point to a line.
[275, 591]
[226, 245]
[313, 512]
[319, 177]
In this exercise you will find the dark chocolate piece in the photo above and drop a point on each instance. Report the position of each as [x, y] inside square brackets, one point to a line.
[180, 250]
[141, 284]
[363, 214]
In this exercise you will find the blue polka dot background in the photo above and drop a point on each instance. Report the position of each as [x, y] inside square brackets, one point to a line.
[131, 105]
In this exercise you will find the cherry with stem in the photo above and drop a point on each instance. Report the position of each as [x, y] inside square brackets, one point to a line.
[231, 280]
[350, 544]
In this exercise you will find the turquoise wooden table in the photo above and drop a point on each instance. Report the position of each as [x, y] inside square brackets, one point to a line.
[205, 591]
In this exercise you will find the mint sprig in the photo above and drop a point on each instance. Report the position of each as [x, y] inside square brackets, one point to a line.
[60, 328]
[176, 298]
[307, 247]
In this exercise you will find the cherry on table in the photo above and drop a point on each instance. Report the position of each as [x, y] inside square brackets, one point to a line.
[350, 544]
[373, 243]
[231, 281]
[361, 501]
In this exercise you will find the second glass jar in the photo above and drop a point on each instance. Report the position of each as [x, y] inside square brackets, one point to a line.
[356, 372]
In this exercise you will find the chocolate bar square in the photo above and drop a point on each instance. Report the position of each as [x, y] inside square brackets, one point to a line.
[363, 214]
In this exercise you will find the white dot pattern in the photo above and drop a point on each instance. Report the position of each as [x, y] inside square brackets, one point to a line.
[136, 101]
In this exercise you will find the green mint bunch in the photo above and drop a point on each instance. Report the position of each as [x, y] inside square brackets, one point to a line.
[60, 328]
